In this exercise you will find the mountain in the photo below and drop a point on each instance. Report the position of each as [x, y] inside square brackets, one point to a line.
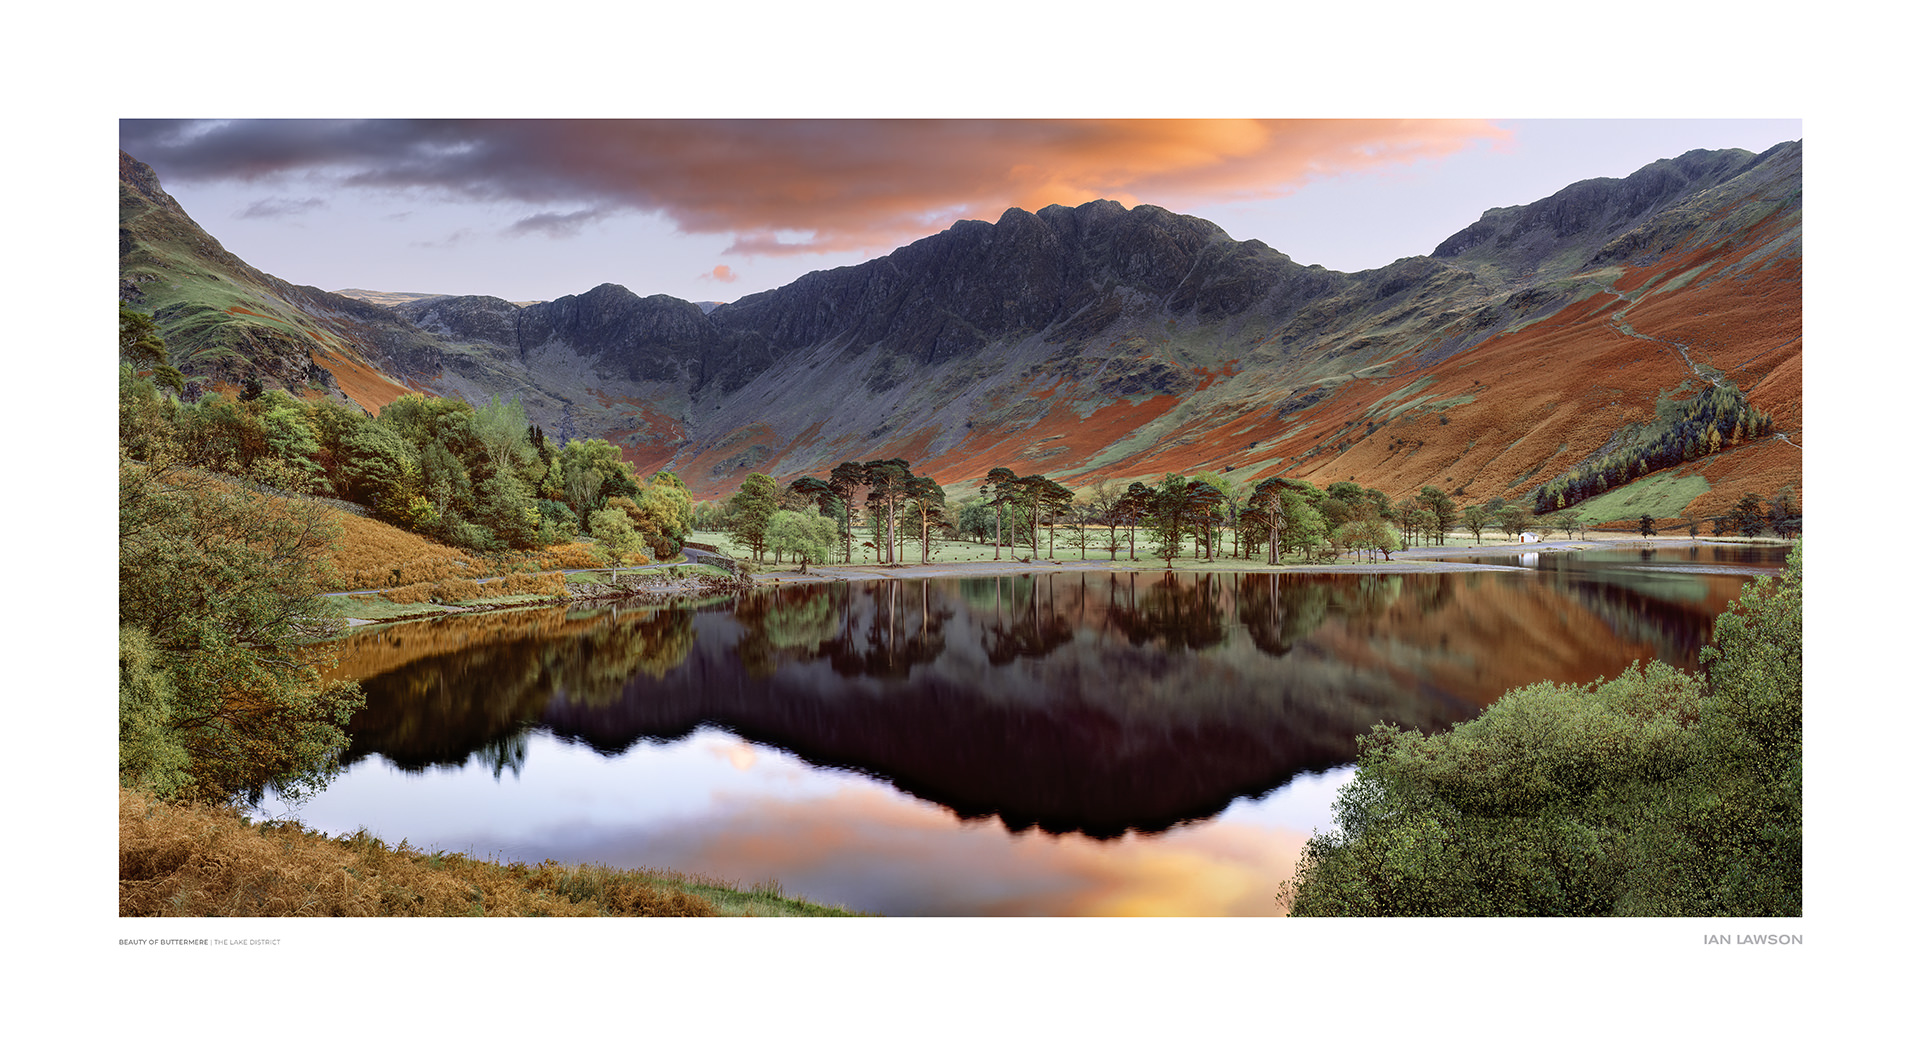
[1102, 341]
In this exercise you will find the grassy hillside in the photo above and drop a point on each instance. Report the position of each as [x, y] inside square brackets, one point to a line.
[209, 861]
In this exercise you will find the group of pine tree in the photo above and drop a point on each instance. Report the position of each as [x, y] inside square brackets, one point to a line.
[871, 510]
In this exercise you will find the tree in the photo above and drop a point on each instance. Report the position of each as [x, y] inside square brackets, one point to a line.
[1222, 511]
[806, 536]
[1440, 505]
[614, 529]
[1169, 517]
[1782, 515]
[1102, 500]
[1001, 487]
[589, 472]
[665, 514]
[1371, 533]
[1747, 517]
[504, 506]
[1654, 793]
[221, 685]
[1513, 519]
[501, 428]
[1476, 518]
[929, 502]
[142, 347]
[1289, 520]
[888, 481]
[1135, 505]
[846, 479]
[750, 511]
[1646, 524]
[1043, 497]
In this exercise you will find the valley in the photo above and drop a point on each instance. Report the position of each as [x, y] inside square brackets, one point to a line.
[1096, 341]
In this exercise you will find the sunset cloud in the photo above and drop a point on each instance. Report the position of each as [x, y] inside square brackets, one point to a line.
[796, 186]
[722, 273]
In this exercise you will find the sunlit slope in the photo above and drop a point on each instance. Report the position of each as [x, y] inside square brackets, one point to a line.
[1105, 341]
[228, 323]
[1518, 358]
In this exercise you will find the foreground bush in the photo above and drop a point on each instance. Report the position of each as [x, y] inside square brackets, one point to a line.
[1655, 793]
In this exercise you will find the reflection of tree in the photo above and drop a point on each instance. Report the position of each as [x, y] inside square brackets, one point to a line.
[906, 626]
[1020, 627]
[1174, 613]
[441, 708]
[437, 710]
[1098, 734]
[594, 667]
[792, 623]
[1278, 610]
[503, 753]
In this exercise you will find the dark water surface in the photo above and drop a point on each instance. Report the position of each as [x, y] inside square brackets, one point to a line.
[1054, 744]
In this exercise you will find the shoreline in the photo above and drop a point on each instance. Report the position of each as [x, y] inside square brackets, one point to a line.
[1420, 560]
[1424, 559]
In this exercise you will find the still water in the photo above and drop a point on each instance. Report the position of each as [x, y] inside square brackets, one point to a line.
[1074, 743]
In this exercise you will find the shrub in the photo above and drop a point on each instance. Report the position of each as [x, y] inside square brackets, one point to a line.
[454, 591]
[1655, 793]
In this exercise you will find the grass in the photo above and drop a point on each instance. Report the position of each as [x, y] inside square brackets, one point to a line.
[1662, 494]
[372, 554]
[210, 861]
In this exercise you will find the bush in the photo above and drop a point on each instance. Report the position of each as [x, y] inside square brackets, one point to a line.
[455, 591]
[1655, 793]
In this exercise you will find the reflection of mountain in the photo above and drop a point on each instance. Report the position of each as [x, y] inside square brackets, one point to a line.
[1087, 703]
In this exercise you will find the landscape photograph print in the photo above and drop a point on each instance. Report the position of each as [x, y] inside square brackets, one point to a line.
[1042, 518]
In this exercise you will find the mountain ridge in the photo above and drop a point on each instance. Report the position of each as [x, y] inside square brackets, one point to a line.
[1101, 341]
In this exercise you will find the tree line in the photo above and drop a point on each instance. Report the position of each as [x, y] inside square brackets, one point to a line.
[881, 506]
[477, 477]
[1716, 419]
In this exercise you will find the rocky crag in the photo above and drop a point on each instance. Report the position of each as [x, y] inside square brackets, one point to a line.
[1099, 341]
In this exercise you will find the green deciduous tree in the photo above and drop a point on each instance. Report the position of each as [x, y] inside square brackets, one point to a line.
[750, 511]
[221, 687]
[805, 535]
[614, 529]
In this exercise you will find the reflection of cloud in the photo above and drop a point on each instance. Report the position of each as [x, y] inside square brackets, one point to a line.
[881, 853]
[740, 755]
[806, 186]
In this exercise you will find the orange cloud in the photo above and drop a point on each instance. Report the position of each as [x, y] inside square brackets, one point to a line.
[721, 273]
[805, 186]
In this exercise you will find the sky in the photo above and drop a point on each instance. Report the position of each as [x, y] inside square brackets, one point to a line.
[715, 209]
[77, 84]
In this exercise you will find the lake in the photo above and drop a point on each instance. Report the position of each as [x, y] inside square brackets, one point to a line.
[1070, 743]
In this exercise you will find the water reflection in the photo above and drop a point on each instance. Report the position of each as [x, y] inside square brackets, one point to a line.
[1093, 703]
